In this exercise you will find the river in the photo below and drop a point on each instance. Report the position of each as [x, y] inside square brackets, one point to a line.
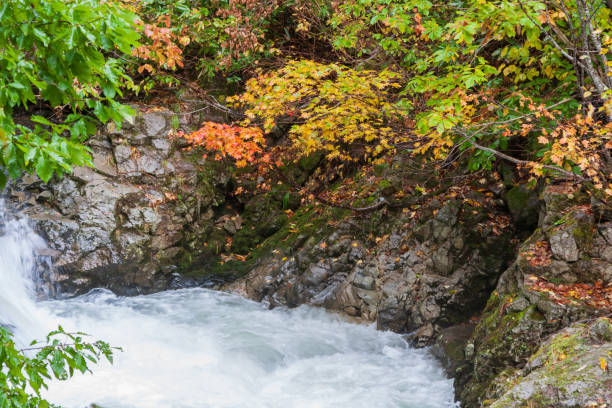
[196, 348]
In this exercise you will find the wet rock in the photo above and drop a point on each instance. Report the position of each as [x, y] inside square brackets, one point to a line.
[450, 348]
[507, 370]
[423, 336]
[317, 274]
[405, 281]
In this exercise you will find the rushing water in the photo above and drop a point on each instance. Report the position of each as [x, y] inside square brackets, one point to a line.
[199, 348]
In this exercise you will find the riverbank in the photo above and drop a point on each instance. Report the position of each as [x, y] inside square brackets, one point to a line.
[491, 272]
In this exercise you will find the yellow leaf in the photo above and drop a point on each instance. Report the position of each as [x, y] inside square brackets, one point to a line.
[603, 364]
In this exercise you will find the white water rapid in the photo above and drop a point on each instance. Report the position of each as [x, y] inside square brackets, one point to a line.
[195, 348]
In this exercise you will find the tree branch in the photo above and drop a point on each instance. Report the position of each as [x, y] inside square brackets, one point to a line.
[514, 160]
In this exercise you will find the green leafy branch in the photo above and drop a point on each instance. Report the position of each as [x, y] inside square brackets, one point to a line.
[22, 377]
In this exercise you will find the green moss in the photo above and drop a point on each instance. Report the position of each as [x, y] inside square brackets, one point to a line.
[568, 361]
[517, 198]
[583, 234]
[386, 188]
[304, 224]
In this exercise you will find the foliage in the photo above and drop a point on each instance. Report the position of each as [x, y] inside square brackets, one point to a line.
[23, 377]
[474, 63]
[441, 78]
[243, 144]
[331, 108]
[163, 49]
[224, 36]
[575, 145]
[56, 54]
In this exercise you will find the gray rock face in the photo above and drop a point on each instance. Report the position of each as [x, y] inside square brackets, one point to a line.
[430, 278]
[145, 207]
[564, 246]
[439, 275]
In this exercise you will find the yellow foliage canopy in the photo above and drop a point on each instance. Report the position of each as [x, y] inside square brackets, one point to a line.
[345, 113]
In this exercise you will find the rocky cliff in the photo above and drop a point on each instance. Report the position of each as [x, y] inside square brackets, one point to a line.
[148, 215]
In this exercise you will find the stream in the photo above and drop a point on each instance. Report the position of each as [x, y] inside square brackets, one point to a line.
[197, 348]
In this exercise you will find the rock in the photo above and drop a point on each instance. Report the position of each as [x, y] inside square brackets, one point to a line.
[149, 162]
[162, 146]
[432, 278]
[450, 348]
[518, 305]
[104, 162]
[316, 274]
[510, 366]
[363, 280]
[155, 122]
[126, 163]
[567, 374]
[601, 330]
[563, 246]
[423, 336]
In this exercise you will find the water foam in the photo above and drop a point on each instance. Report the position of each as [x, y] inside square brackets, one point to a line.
[19, 267]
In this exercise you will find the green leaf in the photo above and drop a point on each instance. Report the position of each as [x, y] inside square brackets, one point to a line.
[30, 155]
[58, 364]
[44, 168]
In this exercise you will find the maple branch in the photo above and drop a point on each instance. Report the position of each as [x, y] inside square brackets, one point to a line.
[514, 160]
[215, 105]
[380, 202]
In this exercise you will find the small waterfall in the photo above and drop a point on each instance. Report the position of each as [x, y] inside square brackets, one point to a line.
[19, 274]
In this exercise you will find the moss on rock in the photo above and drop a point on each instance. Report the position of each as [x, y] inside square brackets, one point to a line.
[564, 372]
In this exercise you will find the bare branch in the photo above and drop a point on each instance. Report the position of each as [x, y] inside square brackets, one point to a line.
[514, 160]
[550, 38]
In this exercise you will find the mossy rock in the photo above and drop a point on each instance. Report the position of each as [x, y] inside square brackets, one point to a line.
[565, 372]
[263, 216]
[504, 339]
[523, 204]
